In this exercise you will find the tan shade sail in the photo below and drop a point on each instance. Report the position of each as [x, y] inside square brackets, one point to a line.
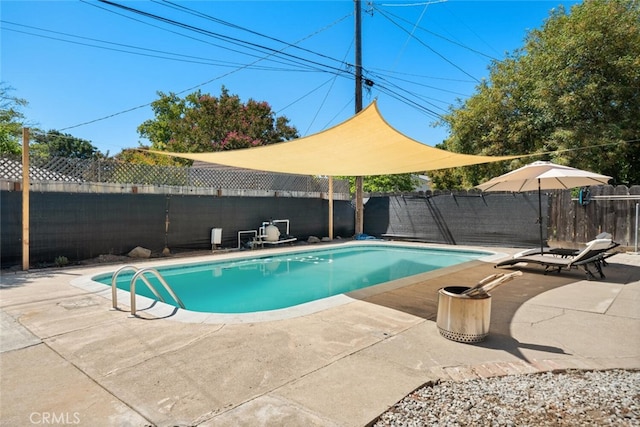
[363, 145]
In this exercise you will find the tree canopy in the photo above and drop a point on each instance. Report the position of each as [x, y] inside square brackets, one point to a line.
[575, 84]
[11, 120]
[204, 123]
[57, 144]
[384, 183]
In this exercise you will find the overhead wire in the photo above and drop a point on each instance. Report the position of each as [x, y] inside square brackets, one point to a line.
[350, 102]
[422, 76]
[409, 102]
[426, 85]
[394, 90]
[433, 102]
[428, 47]
[472, 32]
[236, 40]
[461, 45]
[383, 84]
[305, 95]
[179, 57]
[232, 40]
[164, 29]
[410, 36]
[295, 46]
[178, 93]
[229, 24]
[315, 116]
[246, 53]
[424, 3]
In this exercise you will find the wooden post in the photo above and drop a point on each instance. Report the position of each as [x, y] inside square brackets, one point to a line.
[331, 208]
[25, 199]
[359, 205]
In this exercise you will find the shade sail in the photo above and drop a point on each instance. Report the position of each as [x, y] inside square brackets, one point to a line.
[363, 145]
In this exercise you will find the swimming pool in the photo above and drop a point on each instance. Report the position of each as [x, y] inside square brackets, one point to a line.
[282, 280]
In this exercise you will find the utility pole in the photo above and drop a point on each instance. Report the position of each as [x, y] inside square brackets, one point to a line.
[359, 220]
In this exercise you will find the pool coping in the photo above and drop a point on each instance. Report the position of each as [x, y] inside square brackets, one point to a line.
[150, 307]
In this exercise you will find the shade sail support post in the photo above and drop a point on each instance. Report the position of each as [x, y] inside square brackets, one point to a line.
[26, 188]
[330, 208]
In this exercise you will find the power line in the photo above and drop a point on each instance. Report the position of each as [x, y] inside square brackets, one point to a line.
[229, 24]
[193, 60]
[350, 102]
[183, 91]
[390, 72]
[305, 63]
[327, 94]
[427, 46]
[180, 57]
[305, 95]
[436, 35]
[424, 3]
[424, 85]
[201, 40]
[228, 39]
[408, 101]
[406, 42]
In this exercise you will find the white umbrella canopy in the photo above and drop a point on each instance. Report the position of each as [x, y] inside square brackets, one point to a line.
[543, 176]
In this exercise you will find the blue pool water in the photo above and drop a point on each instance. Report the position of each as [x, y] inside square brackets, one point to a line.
[284, 280]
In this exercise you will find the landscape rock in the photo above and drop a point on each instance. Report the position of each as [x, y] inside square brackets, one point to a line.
[139, 252]
[313, 239]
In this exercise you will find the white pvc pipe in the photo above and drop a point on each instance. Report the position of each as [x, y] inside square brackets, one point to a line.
[636, 245]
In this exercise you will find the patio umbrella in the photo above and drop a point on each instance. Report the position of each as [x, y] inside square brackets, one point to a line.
[543, 176]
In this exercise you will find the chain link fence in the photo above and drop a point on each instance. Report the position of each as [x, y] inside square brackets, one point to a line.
[70, 170]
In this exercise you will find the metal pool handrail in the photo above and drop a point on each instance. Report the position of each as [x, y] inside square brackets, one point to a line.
[140, 274]
[114, 288]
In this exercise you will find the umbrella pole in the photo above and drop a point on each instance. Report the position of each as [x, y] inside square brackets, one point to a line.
[540, 217]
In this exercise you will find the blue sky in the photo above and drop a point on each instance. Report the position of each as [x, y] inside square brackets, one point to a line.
[80, 61]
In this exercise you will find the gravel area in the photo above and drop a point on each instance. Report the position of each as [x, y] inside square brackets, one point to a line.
[571, 398]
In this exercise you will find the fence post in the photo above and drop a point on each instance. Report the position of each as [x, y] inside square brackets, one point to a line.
[25, 199]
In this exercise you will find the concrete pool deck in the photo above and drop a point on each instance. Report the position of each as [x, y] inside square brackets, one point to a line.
[65, 356]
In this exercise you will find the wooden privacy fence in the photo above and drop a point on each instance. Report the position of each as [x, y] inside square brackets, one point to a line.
[607, 208]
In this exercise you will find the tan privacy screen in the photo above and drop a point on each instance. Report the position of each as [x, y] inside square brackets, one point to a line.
[363, 145]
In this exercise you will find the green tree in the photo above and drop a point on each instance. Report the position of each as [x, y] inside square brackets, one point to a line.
[143, 157]
[384, 183]
[11, 120]
[204, 123]
[574, 84]
[56, 144]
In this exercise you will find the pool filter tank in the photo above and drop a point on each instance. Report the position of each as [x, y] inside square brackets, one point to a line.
[272, 233]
